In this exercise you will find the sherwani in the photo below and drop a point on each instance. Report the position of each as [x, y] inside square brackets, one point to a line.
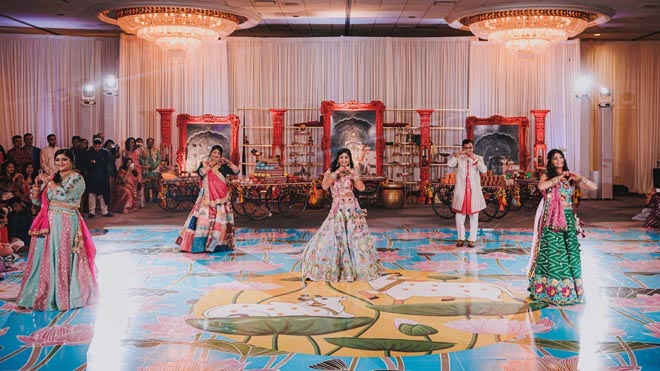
[477, 202]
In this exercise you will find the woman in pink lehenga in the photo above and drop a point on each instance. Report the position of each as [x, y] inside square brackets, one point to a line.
[60, 272]
[125, 194]
[342, 249]
[212, 217]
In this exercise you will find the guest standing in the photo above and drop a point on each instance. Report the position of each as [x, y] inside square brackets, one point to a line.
[60, 273]
[18, 154]
[555, 269]
[47, 158]
[342, 249]
[212, 217]
[468, 196]
[35, 152]
[151, 170]
[98, 178]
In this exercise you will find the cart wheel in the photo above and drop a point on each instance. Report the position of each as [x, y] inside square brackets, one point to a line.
[532, 197]
[236, 205]
[187, 197]
[492, 207]
[292, 201]
[172, 198]
[501, 213]
[258, 203]
[441, 203]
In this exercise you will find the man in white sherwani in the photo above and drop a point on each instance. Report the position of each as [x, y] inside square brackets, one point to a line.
[468, 197]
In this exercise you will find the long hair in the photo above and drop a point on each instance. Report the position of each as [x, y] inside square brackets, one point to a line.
[335, 163]
[127, 143]
[124, 165]
[31, 176]
[68, 153]
[549, 168]
[5, 165]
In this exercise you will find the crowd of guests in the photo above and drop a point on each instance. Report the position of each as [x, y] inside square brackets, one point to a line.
[116, 180]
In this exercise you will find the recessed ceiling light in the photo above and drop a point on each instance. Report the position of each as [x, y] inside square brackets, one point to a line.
[596, 34]
[295, 16]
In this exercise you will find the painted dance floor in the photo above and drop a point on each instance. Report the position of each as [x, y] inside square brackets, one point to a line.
[441, 308]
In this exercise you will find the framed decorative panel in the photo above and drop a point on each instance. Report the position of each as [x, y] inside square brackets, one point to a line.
[500, 140]
[197, 134]
[358, 127]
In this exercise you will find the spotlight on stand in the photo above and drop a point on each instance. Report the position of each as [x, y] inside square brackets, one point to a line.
[110, 86]
[605, 97]
[88, 95]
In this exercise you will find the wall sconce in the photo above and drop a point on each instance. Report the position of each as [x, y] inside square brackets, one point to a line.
[110, 86]
[605, 97]
[88, 95]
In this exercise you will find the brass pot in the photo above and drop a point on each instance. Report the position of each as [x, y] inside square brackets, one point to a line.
[393, 196]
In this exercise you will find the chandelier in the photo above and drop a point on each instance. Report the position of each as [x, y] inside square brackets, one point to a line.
[179, 29]
[529, 29]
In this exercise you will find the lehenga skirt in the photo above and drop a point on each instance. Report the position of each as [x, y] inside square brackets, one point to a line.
[557, 275]
[207, 224]
[342, 249]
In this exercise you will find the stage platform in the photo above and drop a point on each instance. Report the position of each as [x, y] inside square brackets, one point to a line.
[439, 308]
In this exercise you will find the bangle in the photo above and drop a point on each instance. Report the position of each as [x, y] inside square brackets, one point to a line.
[356, 178]
[333, 175]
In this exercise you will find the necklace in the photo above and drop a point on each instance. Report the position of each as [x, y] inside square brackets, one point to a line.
[66, 174]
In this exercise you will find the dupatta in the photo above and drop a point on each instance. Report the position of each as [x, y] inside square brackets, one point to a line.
[216, 188]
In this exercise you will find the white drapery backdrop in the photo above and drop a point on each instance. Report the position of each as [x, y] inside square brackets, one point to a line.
[41, 79]
[630, 70]
[511, 85]
[403, 73]
[152, 79]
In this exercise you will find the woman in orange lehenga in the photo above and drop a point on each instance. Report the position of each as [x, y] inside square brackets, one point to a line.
[212, 217]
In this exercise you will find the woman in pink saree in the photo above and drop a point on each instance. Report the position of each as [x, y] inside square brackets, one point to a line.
[212, 217]
[125, 194]
[60, 272]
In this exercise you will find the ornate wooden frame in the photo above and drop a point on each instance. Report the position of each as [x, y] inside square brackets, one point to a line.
[182, 122]
[328, 107]
[522, 122]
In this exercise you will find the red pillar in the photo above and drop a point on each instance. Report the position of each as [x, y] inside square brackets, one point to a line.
[277, 115]
[166, 134]
[539, 142]
[424, 151]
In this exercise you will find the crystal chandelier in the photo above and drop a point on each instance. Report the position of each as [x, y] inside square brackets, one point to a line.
[179, 29]
[531, 29]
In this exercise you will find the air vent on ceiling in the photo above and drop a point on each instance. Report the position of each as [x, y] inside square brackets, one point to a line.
[653, 5]
[266, 1]
[291, 4]
[440, 2]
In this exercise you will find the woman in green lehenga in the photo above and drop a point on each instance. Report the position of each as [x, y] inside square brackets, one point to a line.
[555, 270]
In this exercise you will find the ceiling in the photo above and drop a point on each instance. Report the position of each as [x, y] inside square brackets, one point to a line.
[633, 19]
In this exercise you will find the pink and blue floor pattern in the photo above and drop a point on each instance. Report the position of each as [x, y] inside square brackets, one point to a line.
[439, 308]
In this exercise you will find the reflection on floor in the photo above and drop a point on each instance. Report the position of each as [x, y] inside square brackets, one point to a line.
[440, 308]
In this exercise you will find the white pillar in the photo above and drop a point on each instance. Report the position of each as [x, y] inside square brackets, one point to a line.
[605, 122]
